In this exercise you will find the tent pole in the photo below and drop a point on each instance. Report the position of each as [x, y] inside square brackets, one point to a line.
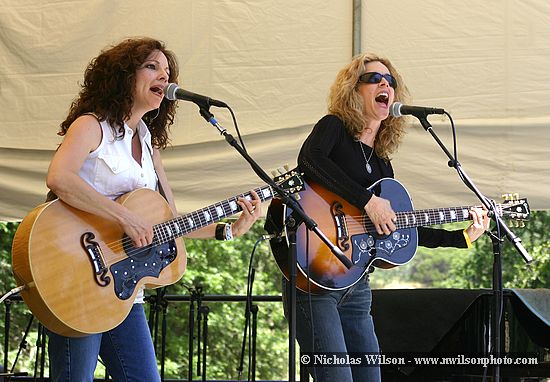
[356, 33]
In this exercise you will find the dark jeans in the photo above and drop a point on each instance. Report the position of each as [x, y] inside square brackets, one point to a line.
[337, 322]
[126, 350]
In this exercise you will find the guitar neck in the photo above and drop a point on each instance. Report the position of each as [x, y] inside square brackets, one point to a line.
[433, 216]
[193, 221]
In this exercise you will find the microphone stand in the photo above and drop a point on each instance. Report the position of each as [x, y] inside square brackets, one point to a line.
[299, 217]
[501, 230]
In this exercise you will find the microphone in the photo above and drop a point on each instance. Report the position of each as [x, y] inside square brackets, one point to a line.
[174, 92]
[397, 109]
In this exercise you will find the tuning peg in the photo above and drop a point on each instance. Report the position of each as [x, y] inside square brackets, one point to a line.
[506, 196]
[515, 196]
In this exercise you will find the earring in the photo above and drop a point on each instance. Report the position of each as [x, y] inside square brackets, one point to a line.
[156, 115]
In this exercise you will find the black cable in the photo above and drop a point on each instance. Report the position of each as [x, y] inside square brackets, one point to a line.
[237, 128]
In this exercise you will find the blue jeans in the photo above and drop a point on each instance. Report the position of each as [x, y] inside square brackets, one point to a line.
[126, 350]
[337, 322]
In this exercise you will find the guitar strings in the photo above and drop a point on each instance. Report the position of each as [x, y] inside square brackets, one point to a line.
[265, 192]
[160, 236]
[406, 219]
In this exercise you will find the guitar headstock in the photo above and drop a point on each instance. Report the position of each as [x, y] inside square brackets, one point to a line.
[515, 208]
[290, 180]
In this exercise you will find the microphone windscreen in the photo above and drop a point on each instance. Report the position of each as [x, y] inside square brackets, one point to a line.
[395, 109]
[170, 91]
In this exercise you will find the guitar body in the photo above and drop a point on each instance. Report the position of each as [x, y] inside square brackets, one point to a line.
[82, 273]
[77, 267]
[318, 269]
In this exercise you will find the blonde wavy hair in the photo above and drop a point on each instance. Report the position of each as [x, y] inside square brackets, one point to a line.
[345, 102]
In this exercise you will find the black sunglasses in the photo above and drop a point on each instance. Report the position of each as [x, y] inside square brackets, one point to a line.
[375, 78]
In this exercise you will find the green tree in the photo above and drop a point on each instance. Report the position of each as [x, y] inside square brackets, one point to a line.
[20, 316]
[221, 268]
[475, 269]
[460, 268]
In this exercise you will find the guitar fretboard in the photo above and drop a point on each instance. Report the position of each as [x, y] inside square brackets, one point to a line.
[195, 220]
[432, 216]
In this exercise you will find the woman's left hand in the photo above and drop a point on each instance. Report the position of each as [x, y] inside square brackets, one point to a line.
[480, 223]
[251, 212]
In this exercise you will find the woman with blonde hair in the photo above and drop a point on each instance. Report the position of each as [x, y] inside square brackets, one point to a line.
[347, 151]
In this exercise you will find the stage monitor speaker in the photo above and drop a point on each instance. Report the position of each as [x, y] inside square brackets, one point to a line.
[440, 322]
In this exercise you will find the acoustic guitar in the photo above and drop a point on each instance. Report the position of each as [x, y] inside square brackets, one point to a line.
[81, 273]
[319, 270]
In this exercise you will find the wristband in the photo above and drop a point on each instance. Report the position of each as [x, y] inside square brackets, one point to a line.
[224, 231]
[467, 238]
[220, 231]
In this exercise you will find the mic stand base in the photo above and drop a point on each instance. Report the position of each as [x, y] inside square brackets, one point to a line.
[291, 236]
[299, 217]
[498, 302]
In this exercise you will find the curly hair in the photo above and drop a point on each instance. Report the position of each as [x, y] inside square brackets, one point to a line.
[345, 102]
[108, 89]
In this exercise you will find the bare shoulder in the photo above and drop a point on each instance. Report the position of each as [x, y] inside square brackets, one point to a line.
[87, 130]
[86, 122]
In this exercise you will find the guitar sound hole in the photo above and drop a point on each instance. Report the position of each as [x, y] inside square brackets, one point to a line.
[376, 235]
[136, 253]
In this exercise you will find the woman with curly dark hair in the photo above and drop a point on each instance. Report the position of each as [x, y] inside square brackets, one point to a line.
[113, 135]
[348, 151]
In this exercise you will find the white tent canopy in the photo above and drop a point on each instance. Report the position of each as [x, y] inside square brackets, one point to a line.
[487, 63]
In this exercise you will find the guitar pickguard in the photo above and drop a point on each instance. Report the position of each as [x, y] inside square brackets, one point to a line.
[143, 262]
[362, 247]
[390, 248]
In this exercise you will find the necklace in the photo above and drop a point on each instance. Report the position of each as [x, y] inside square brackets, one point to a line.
[367, 164]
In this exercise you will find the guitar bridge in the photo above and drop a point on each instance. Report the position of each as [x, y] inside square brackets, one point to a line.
[341, 228]
[93, 251]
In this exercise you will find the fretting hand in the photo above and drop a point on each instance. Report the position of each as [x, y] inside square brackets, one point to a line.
[480, 223]
[251, 212]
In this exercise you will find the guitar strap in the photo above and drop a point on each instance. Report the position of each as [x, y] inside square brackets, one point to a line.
[160, 183]
[160, 187]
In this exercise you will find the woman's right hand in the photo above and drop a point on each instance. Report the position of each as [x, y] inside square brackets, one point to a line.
[137, 229]
[381, 215]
